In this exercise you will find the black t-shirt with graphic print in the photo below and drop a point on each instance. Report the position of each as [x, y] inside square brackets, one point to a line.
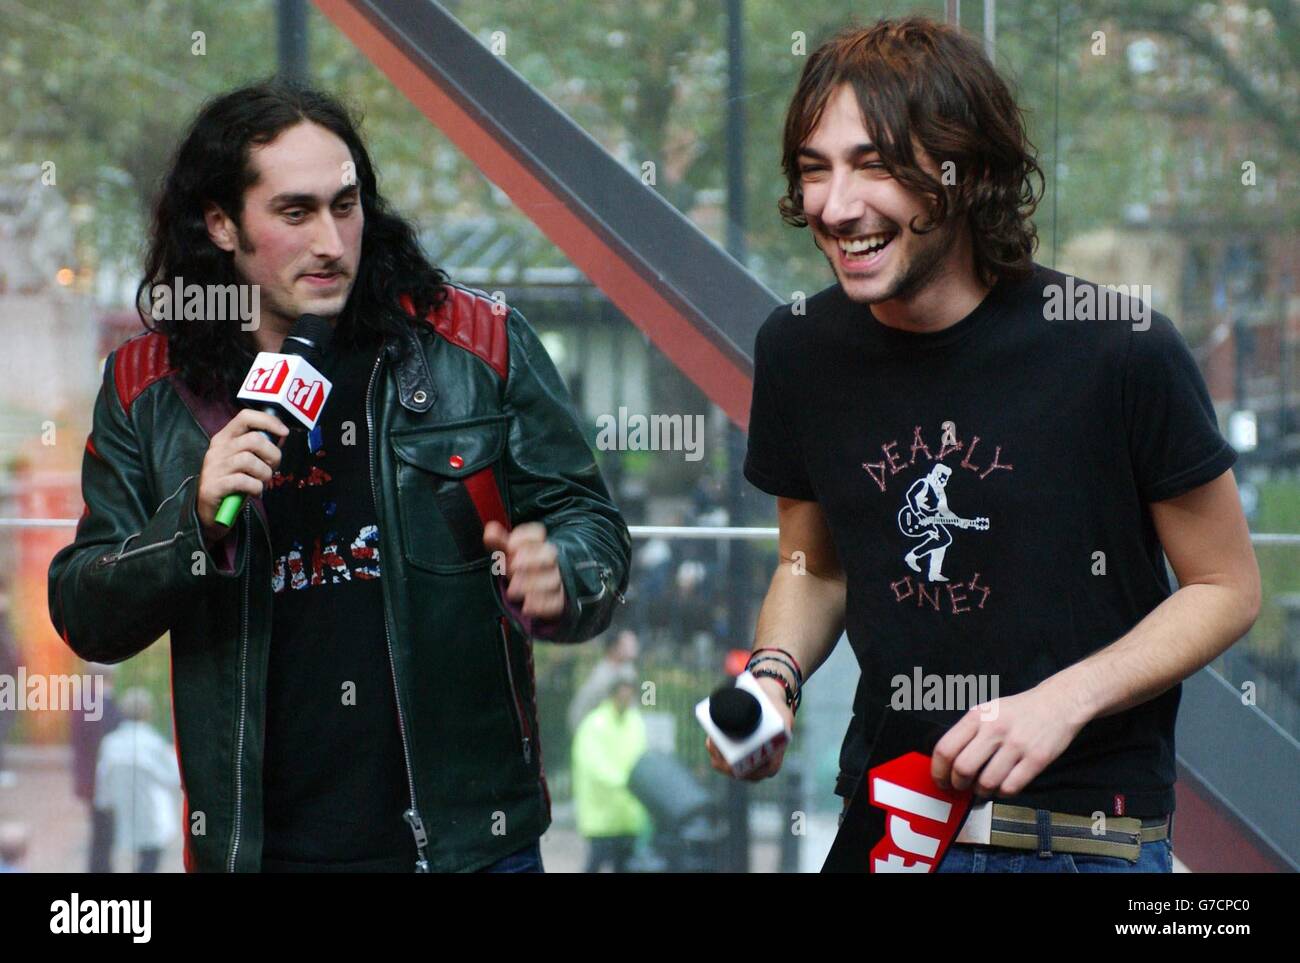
[1043, 441]
[334, 778]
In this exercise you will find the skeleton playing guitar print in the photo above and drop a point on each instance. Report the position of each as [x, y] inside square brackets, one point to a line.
[926, 516]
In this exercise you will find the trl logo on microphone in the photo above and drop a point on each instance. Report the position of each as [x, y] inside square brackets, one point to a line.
[306, 396]
[289, 382]
[267, 381]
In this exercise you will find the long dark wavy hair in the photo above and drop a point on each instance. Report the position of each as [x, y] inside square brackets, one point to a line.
[916, 77]
[212, 163]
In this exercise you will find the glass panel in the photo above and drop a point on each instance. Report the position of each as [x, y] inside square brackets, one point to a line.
[1162, 130]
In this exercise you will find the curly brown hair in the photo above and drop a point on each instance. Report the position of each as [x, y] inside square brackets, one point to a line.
[920, 80]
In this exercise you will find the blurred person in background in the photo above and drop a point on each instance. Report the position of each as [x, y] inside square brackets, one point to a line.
[606, 747]
[137, 780]
[649, 605]
[85, 735]
[694, 603]
[14, 840]
[621, 649]
[8, 667]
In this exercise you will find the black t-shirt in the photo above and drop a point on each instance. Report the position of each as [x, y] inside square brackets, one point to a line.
[1048, 438]
[334, 777]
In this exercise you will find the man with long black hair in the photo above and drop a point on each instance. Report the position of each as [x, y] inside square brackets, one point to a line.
[937, 402]
[351, 659]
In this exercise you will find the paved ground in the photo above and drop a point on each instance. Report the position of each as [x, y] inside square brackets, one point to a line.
[42, 800]
[58, 826]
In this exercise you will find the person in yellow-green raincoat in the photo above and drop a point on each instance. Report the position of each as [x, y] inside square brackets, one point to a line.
[606, 747]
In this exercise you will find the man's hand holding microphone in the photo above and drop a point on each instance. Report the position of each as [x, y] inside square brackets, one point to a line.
[242, 456]
[240, 460]
[776, 676]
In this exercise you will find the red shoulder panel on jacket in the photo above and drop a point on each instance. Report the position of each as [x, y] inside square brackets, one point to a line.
[472, 321]
[137, 364]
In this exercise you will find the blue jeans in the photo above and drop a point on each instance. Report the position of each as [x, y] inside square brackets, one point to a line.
[1157, 857]
[526, 860]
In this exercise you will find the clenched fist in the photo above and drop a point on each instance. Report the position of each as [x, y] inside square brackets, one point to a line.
[532, 566]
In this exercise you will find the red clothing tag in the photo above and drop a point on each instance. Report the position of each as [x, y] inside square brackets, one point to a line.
[1119, 804]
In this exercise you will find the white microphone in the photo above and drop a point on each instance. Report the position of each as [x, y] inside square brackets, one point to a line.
[286, 384]
[743, 723]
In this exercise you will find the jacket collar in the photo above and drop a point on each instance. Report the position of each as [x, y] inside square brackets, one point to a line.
[411, 370]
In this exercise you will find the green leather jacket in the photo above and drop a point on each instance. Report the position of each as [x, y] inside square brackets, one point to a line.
[476, 415]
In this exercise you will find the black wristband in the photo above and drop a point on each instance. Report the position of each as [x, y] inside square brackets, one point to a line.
[787, 654]
[759, 659]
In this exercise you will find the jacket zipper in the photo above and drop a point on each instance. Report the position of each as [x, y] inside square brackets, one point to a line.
[247, 514]
[115, 557]
[243, 692]
[525, 731]
[124, 552]
[605, 575]
[605, 584]
[412, 815]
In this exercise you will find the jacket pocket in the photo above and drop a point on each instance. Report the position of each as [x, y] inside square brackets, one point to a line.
[449, 482]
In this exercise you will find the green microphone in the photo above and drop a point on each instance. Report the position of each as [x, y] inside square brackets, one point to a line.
[287, 384]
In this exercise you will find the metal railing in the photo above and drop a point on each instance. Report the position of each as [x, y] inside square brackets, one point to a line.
[660, 531]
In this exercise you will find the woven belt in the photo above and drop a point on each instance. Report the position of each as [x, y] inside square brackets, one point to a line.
[1018, 827]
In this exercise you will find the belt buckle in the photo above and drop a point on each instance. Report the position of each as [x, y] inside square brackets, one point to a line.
[978, 827]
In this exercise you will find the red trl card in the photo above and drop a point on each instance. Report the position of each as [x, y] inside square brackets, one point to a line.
[898, 820]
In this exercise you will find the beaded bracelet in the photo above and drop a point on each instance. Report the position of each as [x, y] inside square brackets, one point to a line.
[791, 699]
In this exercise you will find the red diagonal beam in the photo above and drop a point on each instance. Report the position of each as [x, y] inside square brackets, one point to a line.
[723, 375]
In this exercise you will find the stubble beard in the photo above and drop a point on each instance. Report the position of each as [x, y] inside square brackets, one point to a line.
[916, 274]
